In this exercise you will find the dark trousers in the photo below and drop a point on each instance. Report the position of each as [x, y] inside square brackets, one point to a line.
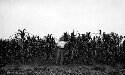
[59, 57]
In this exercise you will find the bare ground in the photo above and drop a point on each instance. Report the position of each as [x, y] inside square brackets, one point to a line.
[64, 70]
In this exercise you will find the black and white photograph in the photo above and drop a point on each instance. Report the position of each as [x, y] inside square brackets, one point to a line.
[62, 37]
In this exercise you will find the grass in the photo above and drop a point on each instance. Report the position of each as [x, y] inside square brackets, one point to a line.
[64, 70]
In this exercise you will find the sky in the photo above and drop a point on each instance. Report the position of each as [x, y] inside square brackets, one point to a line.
[42, 17]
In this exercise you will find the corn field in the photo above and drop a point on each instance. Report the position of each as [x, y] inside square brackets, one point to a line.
[80, 49]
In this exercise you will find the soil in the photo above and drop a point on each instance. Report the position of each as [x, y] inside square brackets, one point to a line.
[63, 70]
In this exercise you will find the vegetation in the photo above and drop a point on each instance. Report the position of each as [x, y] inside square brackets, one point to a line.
[80, 49]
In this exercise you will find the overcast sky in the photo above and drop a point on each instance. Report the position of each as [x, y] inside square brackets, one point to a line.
[42, 17]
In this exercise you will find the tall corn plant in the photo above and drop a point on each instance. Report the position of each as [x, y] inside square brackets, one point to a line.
[20, 36]
[71, 46]
[49, 46]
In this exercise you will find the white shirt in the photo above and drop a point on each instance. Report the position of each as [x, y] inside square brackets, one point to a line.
[122, 41]
[61, 44]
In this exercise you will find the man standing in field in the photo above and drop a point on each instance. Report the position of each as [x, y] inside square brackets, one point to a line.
[60, 52]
